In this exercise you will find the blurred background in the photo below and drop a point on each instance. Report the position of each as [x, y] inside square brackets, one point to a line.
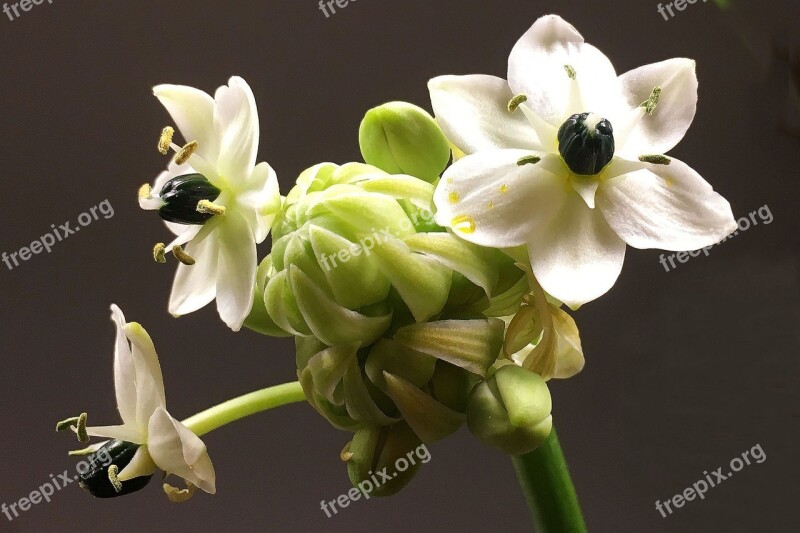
[685, 369]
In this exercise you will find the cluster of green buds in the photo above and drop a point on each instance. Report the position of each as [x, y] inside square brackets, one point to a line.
[399, 325]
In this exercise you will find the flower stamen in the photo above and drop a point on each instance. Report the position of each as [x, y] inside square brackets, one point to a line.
[182, 256]
[78, 423]
[159, 252]
[177, 495]
[185, 153]
[144, 191]
[515, 102]
[83, 452]
[208, 207]
[165, 140]
[650, 104]
[571, 72]
[655, 159]
[528, 160]
[113, 477]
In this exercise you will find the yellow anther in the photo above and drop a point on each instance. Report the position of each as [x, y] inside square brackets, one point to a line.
[113, 477]
[165, 140]
[160, 252]
[453, 197]
[182, 256]
[515, 102]
[650, 104]
[504, 188]
[177, 495]
[68, 423]
[144, 191]
[185, 153]
[210, 208]
[528, 160]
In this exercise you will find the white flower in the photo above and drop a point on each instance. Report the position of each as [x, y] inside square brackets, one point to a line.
[226, 131]
[165, 443]
[577, 212]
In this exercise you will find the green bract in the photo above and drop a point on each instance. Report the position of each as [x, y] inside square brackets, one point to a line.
[402, 138]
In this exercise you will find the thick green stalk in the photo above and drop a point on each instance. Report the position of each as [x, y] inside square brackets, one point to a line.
[244, 406]
[548, 489]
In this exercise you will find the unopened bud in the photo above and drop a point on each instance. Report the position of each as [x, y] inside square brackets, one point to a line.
[511, 410]
[401, 138]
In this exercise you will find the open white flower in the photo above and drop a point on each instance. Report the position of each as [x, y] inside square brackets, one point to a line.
[567, 158]
[214, 197]
[165, 443]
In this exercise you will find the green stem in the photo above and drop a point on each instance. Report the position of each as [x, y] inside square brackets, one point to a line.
[548, 489]
[244, 406]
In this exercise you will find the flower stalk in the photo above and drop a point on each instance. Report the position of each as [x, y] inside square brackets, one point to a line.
[549, 492]
[244, 406]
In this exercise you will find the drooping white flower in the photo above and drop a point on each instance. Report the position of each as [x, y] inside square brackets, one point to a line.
[567, 158]
[165, 443]
[240, 198]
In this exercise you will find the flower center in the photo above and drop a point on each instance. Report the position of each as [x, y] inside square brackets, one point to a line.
[586, 142]
[181, 196]
[96, 479]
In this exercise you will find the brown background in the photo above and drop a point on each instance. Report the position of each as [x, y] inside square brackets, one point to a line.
[685, 369]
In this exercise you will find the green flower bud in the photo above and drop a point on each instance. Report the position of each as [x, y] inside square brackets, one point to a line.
[378, 459]
[395, 320]
[402, 138]
[349, 260]
[511, 410]
[422, 375]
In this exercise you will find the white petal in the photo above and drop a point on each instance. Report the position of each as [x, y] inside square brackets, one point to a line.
[576, 256]
[178, 451]
[186, 234]
[149, 381]
[536, 69]
[124, 371]
[237, 270]
[263, 200]
[123, 432]
[666, 206]
[193, 113]
[503, 200]
[473, 112]
[660, 132]
[196, 286]
[586, 187]
[141, 465]
[236, 122]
